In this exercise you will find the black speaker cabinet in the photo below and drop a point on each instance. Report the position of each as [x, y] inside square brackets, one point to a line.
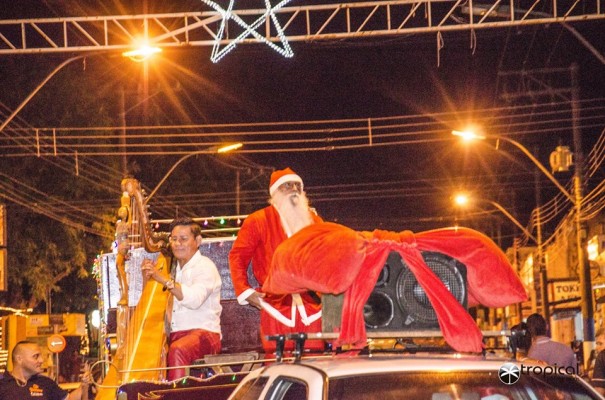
[398, 302]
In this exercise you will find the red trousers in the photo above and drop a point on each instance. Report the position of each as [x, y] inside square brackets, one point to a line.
[188, 346]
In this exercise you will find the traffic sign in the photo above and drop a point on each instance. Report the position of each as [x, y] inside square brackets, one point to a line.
[56, 343]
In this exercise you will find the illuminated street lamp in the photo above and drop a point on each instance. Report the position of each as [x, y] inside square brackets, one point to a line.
[576, 200]
[463, 200]
[210, 150]
[37, 89]
[138, 54]
[470, 135]
[141, 53]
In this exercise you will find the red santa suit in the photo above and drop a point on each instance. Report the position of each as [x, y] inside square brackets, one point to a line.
[261, 233]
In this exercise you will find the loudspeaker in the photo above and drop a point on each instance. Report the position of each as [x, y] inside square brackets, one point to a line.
[398, 302]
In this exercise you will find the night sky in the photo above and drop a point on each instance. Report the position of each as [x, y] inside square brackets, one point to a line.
[395, 187]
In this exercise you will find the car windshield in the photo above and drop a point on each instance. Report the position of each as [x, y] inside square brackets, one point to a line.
[466, 385]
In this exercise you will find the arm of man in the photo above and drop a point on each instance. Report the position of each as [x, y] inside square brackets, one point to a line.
[81, 393]
[244, 247]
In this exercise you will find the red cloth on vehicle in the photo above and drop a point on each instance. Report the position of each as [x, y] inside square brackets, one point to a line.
[332, 258]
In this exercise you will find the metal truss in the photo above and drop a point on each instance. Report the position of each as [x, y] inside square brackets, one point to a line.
[368, 19]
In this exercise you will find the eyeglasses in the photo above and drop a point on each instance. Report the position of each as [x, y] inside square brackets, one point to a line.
[290, 186]
[179, 239]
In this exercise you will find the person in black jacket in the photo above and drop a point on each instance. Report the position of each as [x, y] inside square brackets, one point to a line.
[26, 381]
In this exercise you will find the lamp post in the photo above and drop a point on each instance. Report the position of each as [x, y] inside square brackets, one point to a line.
[463, 199]
[37, 89]
[210, 150]
[576, 200]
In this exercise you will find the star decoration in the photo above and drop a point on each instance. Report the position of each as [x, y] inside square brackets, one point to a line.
[249, 29]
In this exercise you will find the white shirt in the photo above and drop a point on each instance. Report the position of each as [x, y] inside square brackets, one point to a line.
[201, 305]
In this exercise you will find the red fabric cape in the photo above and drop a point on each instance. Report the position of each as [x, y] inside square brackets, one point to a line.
[331, 258]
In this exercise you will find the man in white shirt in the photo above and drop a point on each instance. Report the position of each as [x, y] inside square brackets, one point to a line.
[196, 289]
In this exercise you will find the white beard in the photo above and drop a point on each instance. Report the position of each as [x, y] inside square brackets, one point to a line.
[294, 210]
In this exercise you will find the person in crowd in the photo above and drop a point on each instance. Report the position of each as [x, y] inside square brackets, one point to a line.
[598, 372]
[545, 349]
[194, 308]
[261, 233]
[26, 381]
[520, 341]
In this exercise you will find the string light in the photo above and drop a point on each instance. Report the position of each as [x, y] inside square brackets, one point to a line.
[16, 311]
[215, 226]
[249, 29]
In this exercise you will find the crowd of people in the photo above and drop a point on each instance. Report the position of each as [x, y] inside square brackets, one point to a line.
[194, 309]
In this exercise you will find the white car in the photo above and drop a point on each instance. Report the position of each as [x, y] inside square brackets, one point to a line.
[396, 376]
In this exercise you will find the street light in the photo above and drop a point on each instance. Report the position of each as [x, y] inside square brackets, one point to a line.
[462, 199]
[141, 53]
[210, 150]
[576, 200]
[138, 54]
[37, 89]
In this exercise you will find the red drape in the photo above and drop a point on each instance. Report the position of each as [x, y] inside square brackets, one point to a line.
[331, 258]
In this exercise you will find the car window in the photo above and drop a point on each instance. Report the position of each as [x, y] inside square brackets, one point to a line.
[467, 385]
[251, 390]
[287, 388]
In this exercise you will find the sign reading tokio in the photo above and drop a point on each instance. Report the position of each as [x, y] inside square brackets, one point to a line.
[564, 289]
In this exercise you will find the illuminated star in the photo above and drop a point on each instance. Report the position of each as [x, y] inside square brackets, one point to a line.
[249, 29]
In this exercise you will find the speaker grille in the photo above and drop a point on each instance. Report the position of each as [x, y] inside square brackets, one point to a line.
[398, 302]
[412, 298]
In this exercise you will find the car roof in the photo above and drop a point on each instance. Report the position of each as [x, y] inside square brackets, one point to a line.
[345, 365]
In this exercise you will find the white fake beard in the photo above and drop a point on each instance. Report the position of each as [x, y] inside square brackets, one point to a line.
[294, 210]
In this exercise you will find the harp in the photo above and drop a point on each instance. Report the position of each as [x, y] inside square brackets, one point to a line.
[141, 336]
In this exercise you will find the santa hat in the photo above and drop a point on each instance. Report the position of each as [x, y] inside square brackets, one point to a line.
[282, 176]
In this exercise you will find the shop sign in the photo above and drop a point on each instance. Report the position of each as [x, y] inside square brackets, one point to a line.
[563, 290]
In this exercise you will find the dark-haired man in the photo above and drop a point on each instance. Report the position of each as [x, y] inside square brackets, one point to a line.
[545, 349]
[26, 381]
[195, 286]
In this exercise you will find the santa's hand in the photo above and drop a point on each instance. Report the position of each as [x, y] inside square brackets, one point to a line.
[254, 299]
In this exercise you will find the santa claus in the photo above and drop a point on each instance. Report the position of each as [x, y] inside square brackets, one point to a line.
[260, 235]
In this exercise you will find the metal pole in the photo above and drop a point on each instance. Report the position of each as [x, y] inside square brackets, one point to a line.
[237, 192]
[583, 264]
[40, 85]
[541, 261]
[543, 271]
[513, 220]
[123, 133]
[518, 270]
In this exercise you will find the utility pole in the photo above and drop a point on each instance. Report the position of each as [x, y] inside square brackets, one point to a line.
[583, 263]
[124, 158]
[541, 259]
[547, 82]
[3, 250]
